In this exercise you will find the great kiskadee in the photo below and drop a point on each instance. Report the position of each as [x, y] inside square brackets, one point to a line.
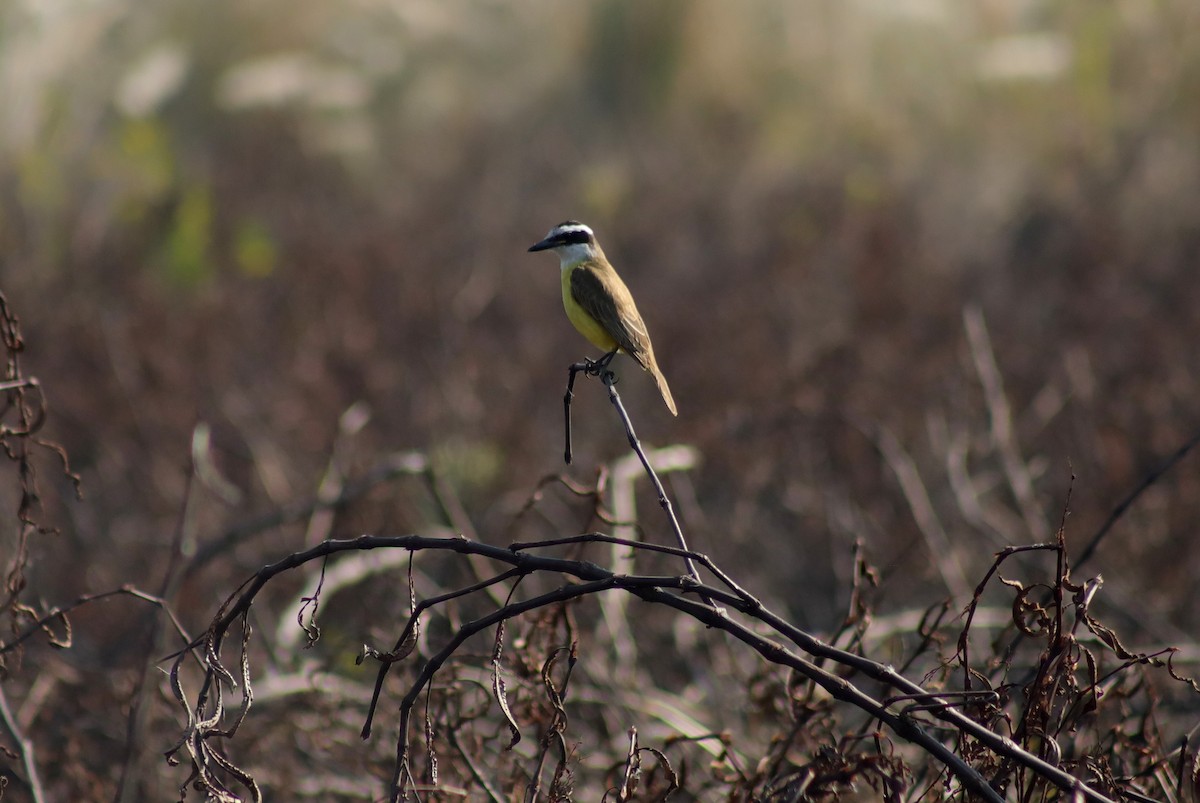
[598, 302]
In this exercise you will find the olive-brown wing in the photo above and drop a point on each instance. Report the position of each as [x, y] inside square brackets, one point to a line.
[607, 299]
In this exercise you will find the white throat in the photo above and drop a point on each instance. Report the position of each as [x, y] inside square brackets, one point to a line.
[573, 254]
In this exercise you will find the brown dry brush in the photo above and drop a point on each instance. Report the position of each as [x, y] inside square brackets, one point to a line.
[22, 415]
[506, 685]
[1077, 696]
[23, 412]
[1056, 704]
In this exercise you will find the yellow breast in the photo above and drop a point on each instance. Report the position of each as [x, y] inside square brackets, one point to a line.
[584, 322]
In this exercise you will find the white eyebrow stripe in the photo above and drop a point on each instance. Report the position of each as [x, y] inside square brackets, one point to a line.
[572, 229]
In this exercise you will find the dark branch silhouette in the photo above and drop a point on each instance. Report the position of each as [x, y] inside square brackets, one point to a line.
[206, 713]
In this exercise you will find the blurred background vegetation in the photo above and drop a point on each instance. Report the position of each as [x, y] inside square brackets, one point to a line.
[259, 214]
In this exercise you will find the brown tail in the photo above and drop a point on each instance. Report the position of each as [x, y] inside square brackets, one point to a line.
[661, 381]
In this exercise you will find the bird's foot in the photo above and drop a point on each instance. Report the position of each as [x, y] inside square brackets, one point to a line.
[599, 368]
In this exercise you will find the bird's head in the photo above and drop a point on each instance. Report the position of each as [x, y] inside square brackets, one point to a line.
[571, 240]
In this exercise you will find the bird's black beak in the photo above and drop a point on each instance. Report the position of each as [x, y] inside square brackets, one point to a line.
[542, 245]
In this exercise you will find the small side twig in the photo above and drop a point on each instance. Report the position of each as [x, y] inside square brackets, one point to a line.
[59, 614]
[588, 367]
[1133, 496]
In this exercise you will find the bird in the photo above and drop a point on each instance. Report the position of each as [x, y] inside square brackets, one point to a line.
[598, 303]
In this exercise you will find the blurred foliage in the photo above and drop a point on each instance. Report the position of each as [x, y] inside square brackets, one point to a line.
[186, 258]
[258, 215]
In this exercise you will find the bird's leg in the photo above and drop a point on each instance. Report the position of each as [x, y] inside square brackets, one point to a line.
[607, 358]
[599, 368]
